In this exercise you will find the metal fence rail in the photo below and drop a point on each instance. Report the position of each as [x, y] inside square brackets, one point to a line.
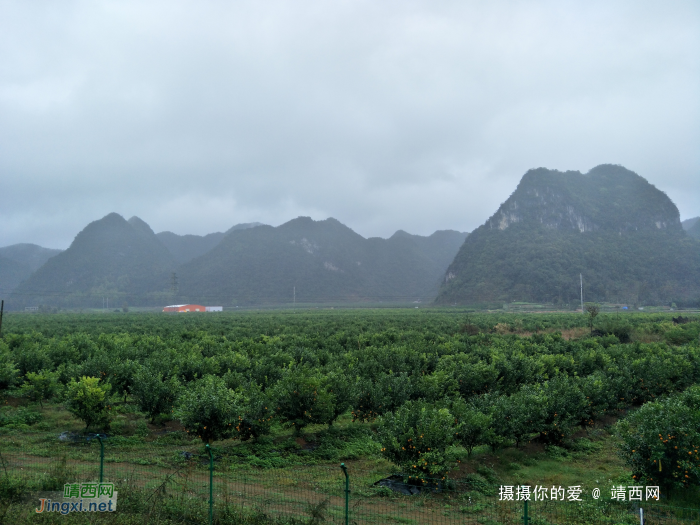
[208, 483]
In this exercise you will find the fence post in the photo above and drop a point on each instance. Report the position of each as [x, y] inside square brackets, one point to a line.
[211, 485]
[526, 518]
[102, 456]
[347, 492]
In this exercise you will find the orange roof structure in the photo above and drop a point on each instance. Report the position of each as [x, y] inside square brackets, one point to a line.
[184, 308]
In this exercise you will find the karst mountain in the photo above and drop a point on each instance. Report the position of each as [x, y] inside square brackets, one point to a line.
[610, 225]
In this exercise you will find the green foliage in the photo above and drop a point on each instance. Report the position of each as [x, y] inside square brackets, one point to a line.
[123, 376]
[40, 385]
[88, 400]
[18, 418]
[207, 409]
[564, 402]
[12, 489]
[342, 388]
[472, 427]
[661, 440]
[503, 385]
[376, 397]
[8, 368]
[256, 413]
[592, 310]
[517, 416]
[418, 438]
[301, 399]
[153, 394]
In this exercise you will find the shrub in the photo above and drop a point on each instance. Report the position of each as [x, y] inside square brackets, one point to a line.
[208, 408]
[18, 418]
[418, 438]
[41, 385]
[661, 440]
[87, 399]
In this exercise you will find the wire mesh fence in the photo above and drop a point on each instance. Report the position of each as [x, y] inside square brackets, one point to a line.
[210, 484]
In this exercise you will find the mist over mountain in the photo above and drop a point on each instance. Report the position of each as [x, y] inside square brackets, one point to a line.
[11, 274]
[610, 224]
[694, 230]
[18, 261]
[689, 223]
[29, 255]
[184, 248]
[109, 257]
[248, 264]
[319, 261]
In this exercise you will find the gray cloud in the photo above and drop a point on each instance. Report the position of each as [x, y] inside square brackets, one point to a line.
[386, 115]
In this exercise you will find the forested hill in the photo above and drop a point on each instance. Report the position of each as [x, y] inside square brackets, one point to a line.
[322, 260]
[249, 264]
[109, 257]
[31, 256]
[610, 224]
[694, 229]
[689, 223]
[186, 247]
[18, 261]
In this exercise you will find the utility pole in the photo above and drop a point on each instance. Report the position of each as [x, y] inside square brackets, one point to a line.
[2, 307]
[581, 277]
[295, 297]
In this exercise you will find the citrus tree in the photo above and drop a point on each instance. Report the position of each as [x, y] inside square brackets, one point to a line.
[256, 413]
[472, 427]
[301, 399]
[40, 385]
[88, 400]
[8, 368]
[517, 416]
[153, 394]
[418, 438]
[342, 387]
[661, 440]
[208, 408]
[564, 402]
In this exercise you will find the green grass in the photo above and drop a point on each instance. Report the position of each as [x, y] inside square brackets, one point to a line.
[278, 477]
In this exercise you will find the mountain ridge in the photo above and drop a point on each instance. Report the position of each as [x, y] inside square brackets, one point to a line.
[322, 260]
[187, 247]
[19, 261]
[109, 256]
[250, 263]
[623, 234]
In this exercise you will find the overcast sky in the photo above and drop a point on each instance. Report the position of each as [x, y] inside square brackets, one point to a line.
[413, 115]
